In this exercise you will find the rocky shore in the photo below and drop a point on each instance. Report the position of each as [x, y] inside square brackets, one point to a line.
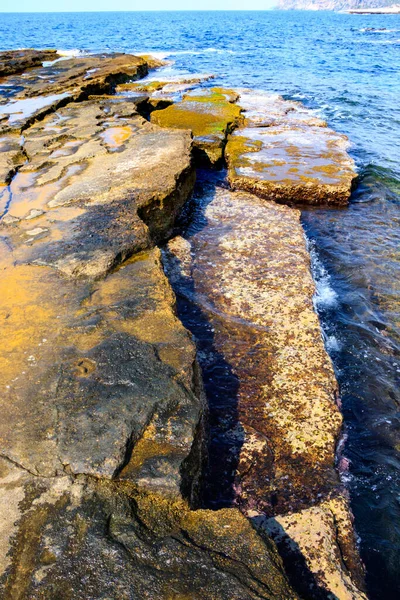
[126, 470]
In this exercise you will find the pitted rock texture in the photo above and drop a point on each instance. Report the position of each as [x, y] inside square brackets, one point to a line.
[320, 536]
[211, 114]
[244, 265]
[285, 154]
[87, 373]
[250, 272]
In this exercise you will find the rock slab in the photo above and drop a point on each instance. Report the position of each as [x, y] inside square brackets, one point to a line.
[287, 155]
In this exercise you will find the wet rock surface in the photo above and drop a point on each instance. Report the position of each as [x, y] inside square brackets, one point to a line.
[285, 154]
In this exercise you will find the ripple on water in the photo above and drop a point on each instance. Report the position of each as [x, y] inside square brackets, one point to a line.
[356, 264]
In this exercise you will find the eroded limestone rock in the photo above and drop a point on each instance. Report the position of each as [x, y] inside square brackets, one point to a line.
[44, 89]
[285, 154]
[95, 166]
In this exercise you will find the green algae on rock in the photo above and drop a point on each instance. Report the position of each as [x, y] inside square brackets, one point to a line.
[285, 154]
[211, 114]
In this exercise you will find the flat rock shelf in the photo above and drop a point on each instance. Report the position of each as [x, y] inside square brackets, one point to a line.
[125, 472]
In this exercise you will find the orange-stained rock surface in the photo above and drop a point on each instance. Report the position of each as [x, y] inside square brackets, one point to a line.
[286, 154]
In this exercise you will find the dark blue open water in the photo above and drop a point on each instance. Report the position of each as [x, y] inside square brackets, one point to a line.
[347, 67]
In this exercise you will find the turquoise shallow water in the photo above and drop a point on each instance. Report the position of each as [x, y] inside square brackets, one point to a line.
[346, 67]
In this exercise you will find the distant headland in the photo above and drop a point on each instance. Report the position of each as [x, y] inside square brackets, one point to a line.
[351, 6]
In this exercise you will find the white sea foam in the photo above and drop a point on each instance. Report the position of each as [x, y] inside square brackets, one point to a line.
[156, 55]
[325, 296]
[372, 30]
[65, 55]
[194, 52]
[332, 344]
[71, 53]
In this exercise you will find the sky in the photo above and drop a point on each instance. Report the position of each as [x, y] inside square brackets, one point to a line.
[100, 5]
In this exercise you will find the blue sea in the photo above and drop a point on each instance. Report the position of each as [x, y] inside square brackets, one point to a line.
[347, 69]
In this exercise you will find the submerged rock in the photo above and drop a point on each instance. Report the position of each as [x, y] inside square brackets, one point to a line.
[210, 114]
[245, 267]
[284, 154]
